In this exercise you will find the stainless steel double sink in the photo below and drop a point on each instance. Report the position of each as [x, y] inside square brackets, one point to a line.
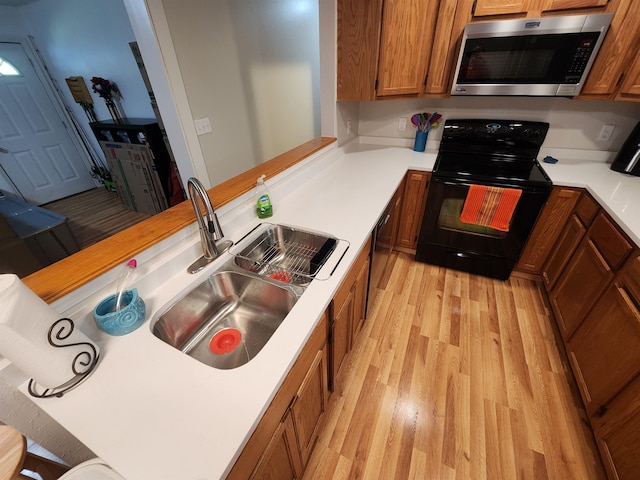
[226, 320]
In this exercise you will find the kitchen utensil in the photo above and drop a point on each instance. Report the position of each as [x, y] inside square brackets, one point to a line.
[125, 320]
[123, 282]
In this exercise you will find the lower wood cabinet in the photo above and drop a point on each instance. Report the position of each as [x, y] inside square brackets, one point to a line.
[588, 273]
[605, 356]
[309, 405]
[360, 300]
[348, 311]
[617, 432]
[547, 229]
[280, 459]
[605, 349]
[569, 239]
[581, 283]
[413, 203]
[281, 445]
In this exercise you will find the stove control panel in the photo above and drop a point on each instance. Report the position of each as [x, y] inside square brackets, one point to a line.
[500, 132]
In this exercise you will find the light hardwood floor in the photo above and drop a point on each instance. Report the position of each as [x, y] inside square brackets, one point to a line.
[95, 215]
[455, 376]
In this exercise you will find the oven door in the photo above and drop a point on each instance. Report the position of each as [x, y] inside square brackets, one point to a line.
[444, 240]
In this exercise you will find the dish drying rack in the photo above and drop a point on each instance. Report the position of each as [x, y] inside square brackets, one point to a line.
[286, 253]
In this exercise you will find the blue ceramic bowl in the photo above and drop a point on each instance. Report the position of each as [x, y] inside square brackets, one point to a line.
[126, 320]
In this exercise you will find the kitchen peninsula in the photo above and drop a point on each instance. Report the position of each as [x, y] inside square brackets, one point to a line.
[152, 412]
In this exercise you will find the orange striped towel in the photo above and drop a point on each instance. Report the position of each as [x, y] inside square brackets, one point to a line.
[490, 206]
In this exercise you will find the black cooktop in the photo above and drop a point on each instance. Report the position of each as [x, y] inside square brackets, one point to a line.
[492, 151]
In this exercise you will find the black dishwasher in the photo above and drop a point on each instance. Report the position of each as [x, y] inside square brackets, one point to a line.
[380, 250]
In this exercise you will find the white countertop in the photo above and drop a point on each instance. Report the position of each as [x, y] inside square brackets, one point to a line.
[152, 412]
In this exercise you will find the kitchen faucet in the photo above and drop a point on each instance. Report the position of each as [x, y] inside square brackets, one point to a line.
[210, 231]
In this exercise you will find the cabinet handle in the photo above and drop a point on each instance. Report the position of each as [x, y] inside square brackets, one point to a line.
[629, 300]
[601, 411]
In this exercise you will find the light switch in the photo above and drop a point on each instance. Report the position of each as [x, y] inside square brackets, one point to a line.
[203, 125]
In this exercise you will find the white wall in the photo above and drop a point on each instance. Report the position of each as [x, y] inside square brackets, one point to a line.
[574, 124]
[239, 72]
[77, 37]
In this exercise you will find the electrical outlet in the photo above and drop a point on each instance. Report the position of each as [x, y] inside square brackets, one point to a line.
[348, 127]
[606, 132]
[402, 123]
[203, 125]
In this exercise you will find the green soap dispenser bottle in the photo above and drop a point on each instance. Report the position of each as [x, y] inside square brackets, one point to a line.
[263, 207]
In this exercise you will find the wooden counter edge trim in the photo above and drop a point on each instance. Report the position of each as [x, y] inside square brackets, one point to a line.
[59, 279]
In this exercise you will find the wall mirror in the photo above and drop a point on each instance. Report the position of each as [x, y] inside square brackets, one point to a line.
[250, 67]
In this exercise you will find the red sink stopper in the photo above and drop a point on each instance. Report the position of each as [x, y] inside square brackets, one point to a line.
[281, 275]
[225, 341]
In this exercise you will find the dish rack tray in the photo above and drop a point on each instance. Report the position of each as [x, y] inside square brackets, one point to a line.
[285, 253]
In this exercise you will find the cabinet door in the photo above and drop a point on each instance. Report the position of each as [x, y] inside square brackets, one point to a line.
[547, 229]
[310, 404]
[567, 243]
[281, 459]
[357, 50]
[448, 30]
[586, 209]
[405, 46]
[605, 350]
[413, 204]
[617, 53]
[360, 301]
[551, 5]
[617, 432]
[610, 241]
[500, 7]
[630, 89]
[582, 282]
[340, 335]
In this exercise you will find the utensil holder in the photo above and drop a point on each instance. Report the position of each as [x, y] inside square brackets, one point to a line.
[123, 321]
[420, 142]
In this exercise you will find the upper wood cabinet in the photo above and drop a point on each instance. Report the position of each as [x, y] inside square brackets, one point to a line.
[501, 7]
[612, 74]
[405, 46]
[630, 88]
[396, 48]
[554, 5]
[536, 8]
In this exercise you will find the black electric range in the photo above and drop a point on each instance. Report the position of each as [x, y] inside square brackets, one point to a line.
[496, 153]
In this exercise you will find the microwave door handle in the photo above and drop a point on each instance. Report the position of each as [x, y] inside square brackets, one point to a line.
[634, 161]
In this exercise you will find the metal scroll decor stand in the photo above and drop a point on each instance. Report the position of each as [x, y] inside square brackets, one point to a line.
[82, 366]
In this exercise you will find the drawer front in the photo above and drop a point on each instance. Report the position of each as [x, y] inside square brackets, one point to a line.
[611, 243]
[586, 209]
[569, 240]
[344, 289]
[630, 278]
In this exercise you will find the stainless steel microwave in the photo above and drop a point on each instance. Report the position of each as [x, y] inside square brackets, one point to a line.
[548, 56]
